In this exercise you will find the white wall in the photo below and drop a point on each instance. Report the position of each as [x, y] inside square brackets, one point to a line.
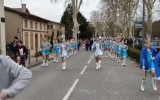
[2, 29]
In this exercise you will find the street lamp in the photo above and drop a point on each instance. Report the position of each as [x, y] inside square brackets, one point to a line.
[143, 23]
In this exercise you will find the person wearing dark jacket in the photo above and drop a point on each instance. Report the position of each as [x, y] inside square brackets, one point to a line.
[13, 47]
[21, 53]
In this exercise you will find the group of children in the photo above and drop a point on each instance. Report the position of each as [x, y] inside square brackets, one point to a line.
[60, 50]
[114, 48]
[117, 49]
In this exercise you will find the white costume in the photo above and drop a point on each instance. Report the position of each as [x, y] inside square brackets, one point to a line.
[63, 50]
[97, 49]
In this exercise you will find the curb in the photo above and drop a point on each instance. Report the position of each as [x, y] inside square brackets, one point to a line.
[37, 63]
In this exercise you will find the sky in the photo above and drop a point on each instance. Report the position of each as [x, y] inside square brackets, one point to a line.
[52, 11]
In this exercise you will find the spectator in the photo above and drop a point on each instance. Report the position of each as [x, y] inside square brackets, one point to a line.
[21, 53]
[14, 78]
[13, 47]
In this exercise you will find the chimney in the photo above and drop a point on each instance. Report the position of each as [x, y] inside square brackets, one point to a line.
[24, 8]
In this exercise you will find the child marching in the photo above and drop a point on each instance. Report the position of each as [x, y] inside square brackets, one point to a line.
[97, 48]
[124, 49]
[55, 50]
[45, 51]
[63, 48]
[147, 57]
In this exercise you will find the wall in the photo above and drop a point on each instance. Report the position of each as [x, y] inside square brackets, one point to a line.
[33, 37]
[13, 26]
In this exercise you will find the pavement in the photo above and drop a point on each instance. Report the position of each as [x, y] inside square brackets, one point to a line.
[81, 81]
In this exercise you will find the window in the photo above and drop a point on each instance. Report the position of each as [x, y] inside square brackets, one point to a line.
[26, 23]
[48, 27]
[51, 26]
[44, 27]
[35, 25]
[40, 26]
[31, 24]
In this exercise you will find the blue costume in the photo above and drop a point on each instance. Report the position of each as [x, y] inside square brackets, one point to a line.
[56, 48]
[123, 51]
[72, 45]
[157, 66]
[45, 48]
[118, 48]
[146, 59]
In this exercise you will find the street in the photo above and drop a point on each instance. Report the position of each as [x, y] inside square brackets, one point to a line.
[81, 81]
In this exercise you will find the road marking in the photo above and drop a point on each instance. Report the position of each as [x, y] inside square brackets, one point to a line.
[82, 72]
[71, 90]
[89, 61]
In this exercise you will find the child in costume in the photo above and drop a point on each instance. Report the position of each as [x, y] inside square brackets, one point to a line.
[97, 48]
[147, 57]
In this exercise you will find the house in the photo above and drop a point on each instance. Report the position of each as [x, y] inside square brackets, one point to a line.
[29, 28]
[57, 29]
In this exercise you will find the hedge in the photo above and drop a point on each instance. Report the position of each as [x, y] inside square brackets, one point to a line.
[134, 53]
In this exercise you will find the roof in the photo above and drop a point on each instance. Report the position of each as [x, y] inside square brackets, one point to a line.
[29, 15]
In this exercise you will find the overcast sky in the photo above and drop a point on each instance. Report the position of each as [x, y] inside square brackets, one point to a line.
[51, 11]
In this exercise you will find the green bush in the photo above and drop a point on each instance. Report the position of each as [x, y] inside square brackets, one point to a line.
[134, 53]
[39, 53]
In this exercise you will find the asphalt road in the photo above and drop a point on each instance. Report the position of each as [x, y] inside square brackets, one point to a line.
[81, 81]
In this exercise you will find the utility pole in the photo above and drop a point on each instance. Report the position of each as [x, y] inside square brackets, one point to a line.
[2, 29]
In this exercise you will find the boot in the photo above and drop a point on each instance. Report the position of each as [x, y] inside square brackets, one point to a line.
[43, 63]
[124, 63]
[97, 66]
[154, 84]
[46, 62]
[64, 66]
[142, 85]
[54, 60]
[57, 60]
[99, 63]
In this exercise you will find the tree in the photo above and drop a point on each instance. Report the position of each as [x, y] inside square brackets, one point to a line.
[149, 6]
[67, 20]
[84, 26]
[76, 4]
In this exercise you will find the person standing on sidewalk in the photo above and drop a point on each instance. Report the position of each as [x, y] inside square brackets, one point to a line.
[45, 51]
[13, 78]
[21, 53]
[63, 52]
[55, 50]
[147, 57]
[14, 46]
[97, 48]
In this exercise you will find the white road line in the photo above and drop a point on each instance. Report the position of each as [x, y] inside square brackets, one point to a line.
[89, 61]
[71, 90]
[82, 72]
